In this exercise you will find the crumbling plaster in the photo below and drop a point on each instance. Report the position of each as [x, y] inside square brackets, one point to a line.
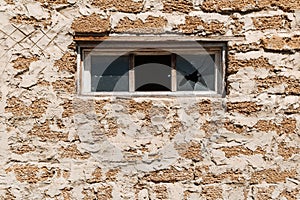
[58, 145]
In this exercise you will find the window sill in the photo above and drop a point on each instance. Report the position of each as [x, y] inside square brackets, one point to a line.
[152, 94]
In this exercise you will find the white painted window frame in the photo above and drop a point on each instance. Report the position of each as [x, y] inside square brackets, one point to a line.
[86, 49]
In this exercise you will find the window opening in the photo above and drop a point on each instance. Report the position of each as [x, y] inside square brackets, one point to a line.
[163, 70]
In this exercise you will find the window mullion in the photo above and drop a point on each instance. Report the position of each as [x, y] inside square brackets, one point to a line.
[131, 73]
[173, 73]
[217, 71]
[87, 80]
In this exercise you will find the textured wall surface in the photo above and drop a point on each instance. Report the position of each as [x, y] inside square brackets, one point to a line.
[58, 145]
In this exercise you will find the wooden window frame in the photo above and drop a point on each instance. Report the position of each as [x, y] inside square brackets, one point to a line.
[86, 49]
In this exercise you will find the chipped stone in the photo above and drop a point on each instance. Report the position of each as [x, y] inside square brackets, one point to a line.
[271, 176]
[248, 5]
[287, 85]
[73, 152]
[67, 63]
[151, 25]
[271, 22]
[169, 175]
[184, 6]
[243, 107]
[238, 150]
[91, 24]
[191, 150]
[129, 6]
[282, 43]
[197, 25]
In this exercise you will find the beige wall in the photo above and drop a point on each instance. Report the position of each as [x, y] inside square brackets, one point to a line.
[57, 145]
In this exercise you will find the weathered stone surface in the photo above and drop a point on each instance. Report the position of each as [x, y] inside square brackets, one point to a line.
[65, 85]
[169, 175]
[271, 176]
[264, 192]
[290, 84]
[233, 127]
[44, 132]
[287, 125]
[72, 152]
[96, 176]
[191, 150]
[228, 6]
[245, 47]
[53, 1]
[234, 65]
[237, 25]
[209, 127]
[240, 150]
[91, 24]
[22, 63]
[197, 25]
[128, 6]
[102, 192]
[286, 5]
[290, 195]
[68, 108]
[287, 152]
[212, 192]
[67, 63]
[109, 127]
[276, 43]
[22, 148]
[227, 177]
[58, 144]
[111, 174]
[150, 25]
[292, 110]
[35, 10]
[9, 1]
[161, 192]
[184, 6]
[271, 22]
[140, 107]
[248, 5]
[31, 173]
[175, 126]
[23, 19]
[205, 107]
[18, 108]
[243, 107]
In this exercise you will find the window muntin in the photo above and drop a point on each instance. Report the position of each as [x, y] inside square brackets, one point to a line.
[130, 71]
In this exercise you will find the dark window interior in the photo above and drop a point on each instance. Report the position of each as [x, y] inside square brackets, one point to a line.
[109, 73]
[194, 72]
[152, 72]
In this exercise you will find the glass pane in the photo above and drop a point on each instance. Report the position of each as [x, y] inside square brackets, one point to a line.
[195, 72]
[109, 73]
[152, 73]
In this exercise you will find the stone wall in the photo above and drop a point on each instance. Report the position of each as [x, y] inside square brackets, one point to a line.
[58, 145]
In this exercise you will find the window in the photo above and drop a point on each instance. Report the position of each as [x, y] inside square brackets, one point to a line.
[152, 67]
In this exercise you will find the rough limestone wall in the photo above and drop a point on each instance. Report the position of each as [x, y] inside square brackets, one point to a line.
[56, 145]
